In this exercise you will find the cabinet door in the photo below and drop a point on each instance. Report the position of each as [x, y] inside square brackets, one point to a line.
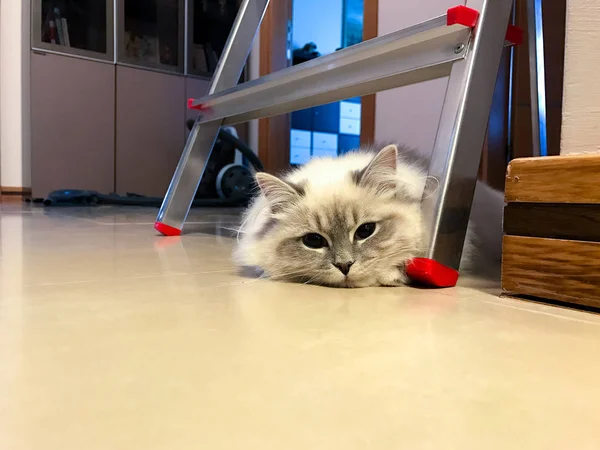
[209, 24]
[72, 124]
[83, 28]
[151, 33]
[150, 130]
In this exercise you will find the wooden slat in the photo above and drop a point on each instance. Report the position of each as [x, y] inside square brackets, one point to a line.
[563, 270]
[554, 179]
[553, 220]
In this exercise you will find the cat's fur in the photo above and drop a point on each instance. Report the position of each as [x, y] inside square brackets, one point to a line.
[333, 197]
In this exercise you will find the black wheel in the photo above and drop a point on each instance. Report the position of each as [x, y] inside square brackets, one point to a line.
[235, 182]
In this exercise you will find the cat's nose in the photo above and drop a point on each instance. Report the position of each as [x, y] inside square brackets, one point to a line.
[344, 267]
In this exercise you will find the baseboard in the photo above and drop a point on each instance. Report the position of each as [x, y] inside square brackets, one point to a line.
[551, 247]
[15, 191]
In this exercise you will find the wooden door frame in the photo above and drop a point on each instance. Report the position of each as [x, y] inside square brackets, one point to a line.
[274, 132]
[553, 17]
[368, 102]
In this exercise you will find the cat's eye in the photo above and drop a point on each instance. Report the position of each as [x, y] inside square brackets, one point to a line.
[314, 240]
[364, 231]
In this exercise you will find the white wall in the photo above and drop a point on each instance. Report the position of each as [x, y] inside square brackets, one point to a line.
[410, 115]
[318, 21]
[581, 98]
[15, 155]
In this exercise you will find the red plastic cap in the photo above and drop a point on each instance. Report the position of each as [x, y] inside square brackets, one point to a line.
[514, 35]
[167, 230]
[462, 15]
[431, 273]
[190, 104]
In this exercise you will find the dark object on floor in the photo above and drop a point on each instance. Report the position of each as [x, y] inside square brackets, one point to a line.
[235, 182]
[222, 156]
[72, 197]
[75, 197]
[224, 183]
[222, 177]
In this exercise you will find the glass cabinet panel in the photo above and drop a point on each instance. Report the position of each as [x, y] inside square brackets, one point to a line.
[151, 33]
[209, 23]
[78, 27]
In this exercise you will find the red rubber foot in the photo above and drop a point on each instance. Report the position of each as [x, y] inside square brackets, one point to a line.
[462, 15]
[431, 273]
[167, 230]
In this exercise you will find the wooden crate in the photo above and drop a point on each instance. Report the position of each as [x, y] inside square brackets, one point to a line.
[551, 247]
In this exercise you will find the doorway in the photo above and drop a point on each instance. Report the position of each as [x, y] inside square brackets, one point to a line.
[321, 28]
[509, 131]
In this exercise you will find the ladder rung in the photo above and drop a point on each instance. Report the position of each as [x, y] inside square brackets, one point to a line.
[421, 52]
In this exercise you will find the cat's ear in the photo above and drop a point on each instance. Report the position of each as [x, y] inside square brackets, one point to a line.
[381, 171]
[278, 193]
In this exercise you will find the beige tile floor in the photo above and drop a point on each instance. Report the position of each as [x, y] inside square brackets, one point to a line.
[114, 338]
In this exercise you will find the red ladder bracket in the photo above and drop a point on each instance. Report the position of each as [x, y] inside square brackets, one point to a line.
[468, 17]
[462, 15]
[190, 105]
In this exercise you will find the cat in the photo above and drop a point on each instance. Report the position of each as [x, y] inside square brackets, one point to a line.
[353, 221]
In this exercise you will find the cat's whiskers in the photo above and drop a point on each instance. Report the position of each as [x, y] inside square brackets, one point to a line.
[312, 279]
[376, 261]
[263, 277]
[299, 272]
[437, 187]
[241, 229]
[235, 230]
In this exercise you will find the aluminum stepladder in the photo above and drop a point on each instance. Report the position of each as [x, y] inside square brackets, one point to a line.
[465, 44]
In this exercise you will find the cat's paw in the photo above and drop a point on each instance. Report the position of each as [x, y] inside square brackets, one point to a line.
[394, 277]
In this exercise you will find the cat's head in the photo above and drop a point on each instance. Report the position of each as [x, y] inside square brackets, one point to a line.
[359, 231]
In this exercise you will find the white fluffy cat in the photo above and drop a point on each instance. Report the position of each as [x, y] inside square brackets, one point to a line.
[353, 221]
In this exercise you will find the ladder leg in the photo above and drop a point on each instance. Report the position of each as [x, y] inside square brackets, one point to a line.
[196, 153]
[458, 146]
